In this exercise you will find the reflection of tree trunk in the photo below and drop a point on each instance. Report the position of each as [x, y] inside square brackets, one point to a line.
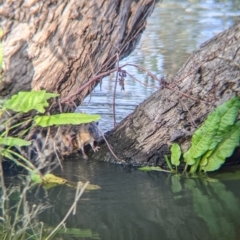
[60, 45]
[209, 77]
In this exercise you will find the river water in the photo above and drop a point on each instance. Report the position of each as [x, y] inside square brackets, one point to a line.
[135, 205]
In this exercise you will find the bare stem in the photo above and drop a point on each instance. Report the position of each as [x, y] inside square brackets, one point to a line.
[69, 211]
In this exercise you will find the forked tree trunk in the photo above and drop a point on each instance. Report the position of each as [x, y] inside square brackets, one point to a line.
[210, 76]
[60, 45]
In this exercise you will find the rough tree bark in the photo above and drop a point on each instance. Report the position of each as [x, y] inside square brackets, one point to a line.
[60, 45]
[209, 77]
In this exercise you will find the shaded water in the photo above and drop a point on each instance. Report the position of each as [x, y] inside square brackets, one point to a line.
[139, 205]
[144, 205]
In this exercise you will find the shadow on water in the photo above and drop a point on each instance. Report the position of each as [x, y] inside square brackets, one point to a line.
[142, 205]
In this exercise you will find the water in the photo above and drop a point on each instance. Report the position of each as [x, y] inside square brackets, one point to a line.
[135, 205]
[174, 30]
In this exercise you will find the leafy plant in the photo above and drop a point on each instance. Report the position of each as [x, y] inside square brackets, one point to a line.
[64, 118]
[175, 154]
[216, 139]
[24, 102]
[213, 142]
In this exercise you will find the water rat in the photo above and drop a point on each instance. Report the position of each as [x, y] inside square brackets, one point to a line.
[87, 134]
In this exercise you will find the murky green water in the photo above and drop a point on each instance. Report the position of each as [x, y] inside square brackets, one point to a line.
[134, 205]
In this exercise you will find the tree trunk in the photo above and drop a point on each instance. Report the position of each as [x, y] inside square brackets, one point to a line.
[60, 45]
[210, 76]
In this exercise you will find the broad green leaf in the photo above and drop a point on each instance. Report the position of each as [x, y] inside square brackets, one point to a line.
[12, 141]
[65, 118]
[26, 101]
[204, 159]
[203, 138]
[224, 149]
[194, 167]
[175, 154]
[228, 112]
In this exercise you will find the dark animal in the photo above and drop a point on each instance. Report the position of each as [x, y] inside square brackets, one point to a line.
[48, 144]
[87, 134]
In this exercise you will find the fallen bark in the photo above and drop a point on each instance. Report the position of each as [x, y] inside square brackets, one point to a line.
[210, 76]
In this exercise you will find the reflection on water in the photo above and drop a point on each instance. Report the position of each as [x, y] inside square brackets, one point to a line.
[143, 205]
[174, 31]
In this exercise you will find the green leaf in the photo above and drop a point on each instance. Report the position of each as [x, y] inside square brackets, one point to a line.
[150, 168]
[65, 118]
[211, 133]
[35, 177]
[26, 101]
[224, 149]
[228, 112]
[175, 154]
[203, 138]
[12, 141]
[204, 159]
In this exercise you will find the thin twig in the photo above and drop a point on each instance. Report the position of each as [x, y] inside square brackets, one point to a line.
[55, 150]
[144, 84]
[68, 213]
[114, 94]
[109, 147]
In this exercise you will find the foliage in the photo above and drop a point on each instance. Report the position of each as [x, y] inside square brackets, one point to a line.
[64, 118]
[212, 210]
[14, 141]
[213, 142]
[19, 216]
[216, 139]
[26, 101]
[50, 180]
[175, 154]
